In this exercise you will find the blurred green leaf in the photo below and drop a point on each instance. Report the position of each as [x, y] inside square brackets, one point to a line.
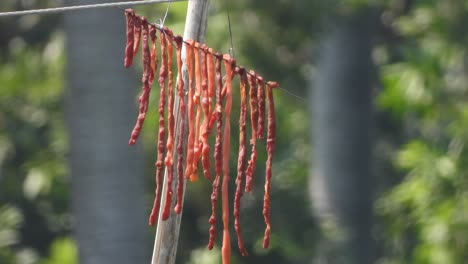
[62, 250]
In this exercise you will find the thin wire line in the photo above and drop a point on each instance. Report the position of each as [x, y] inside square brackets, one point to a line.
[293, 94]
[163, 21]
[233, 54]
[118, 6]
[165, 15]
[127, 3]
[81, 7]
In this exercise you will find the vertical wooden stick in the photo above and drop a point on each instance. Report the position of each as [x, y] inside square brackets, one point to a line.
[167, 232]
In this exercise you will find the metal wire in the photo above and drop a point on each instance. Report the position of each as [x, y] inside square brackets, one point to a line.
[165, 15]
[293, 94]
[127, 3]
[231, 50]
[81, 7]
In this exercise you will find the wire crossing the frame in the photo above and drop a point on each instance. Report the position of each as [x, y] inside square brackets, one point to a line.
[119, 6]
[82, 7]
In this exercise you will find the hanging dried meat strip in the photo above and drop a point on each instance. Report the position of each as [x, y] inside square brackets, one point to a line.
[241, 159]
[211, 78]
[154, 53]
[204, 133]
[261, 108]
[144, 97]
[204, 77]
[254, 121]
[229, 65]
[180, 145]
[205, 82]
[130, 20]
[169, 162]
[197, 147]
[161, 133]
[211, 90]
[218, 149]
[271, 136]
[190, 105]
[198, 77]
[136, 34]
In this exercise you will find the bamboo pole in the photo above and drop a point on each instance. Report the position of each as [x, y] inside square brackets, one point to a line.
[167, 232]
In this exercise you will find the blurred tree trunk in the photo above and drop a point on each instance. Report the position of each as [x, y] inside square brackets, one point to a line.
[107, 178]
[341, 181]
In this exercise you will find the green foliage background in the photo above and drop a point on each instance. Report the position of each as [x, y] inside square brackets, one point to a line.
[422, 126]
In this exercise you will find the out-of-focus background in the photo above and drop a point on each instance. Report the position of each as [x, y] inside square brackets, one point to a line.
[370, 164]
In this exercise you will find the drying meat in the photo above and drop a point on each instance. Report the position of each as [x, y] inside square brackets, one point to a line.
[161, 133]
[218, 155]
[206, 95]
[211, 79]
[130, 20]
[190, 105]
[144, 97]
[210, 65]
[261, 108]
[229, 65]
[240, 159]
[153, 54]
[197, 146]
[180, 144]
[254, 121]
[204, 135]
[169, 162]
[136, 34]
[271, 135]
